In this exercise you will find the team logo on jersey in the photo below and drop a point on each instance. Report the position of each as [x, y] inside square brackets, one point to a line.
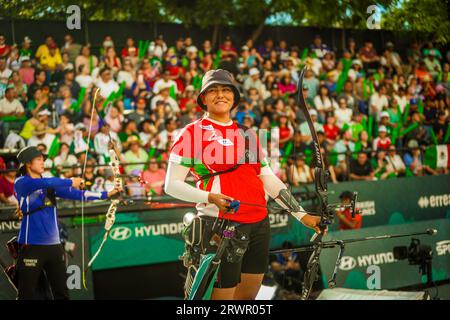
[209, 127]
[225, 142]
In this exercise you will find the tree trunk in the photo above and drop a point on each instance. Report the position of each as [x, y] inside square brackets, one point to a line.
[215, 35]
[257, 32]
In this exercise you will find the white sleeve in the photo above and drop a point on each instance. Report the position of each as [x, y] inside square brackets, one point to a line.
[178, 188]
[273, 186]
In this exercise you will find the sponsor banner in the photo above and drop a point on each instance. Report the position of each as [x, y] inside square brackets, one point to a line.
[355, 269]
[155, 237]
[400, 200]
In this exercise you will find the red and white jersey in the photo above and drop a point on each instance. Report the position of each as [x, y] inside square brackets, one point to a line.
[207, 146]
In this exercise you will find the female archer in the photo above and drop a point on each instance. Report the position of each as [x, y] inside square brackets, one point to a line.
[40, 246]
[212, 149]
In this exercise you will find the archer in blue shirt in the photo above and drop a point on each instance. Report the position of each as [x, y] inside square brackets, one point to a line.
[40, 246]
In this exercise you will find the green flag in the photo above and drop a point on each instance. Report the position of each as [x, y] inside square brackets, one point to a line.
[172, 93]
[151, 153]
[364, 123]
[304, 54]
[119, 92]
[405, 114]
[76, 106]
[184, 62]
[287, 152]
[370, 127]
[420, 106]
[54, 148]
[400, 115]
[217, 59]
[409, 129]
[433, 136]
[143, 47]
[197, 82]
[395, 134]
[346, 65]
[447, 134]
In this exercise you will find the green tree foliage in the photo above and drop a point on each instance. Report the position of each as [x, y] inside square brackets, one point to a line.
[428, 16]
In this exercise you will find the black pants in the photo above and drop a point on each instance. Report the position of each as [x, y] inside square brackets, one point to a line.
[31, 263]
[256, 257]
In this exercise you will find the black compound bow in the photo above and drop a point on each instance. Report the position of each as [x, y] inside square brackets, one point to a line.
[325, 210]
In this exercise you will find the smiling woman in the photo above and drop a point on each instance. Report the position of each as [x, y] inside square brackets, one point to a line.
[232, 176]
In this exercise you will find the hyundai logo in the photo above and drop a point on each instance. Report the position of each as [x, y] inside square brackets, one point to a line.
[347, 263]
[120, 233]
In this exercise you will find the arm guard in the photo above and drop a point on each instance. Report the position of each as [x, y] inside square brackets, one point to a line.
[287, 200]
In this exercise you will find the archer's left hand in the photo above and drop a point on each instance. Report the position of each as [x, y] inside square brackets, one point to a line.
[114, 191]
[311, 222]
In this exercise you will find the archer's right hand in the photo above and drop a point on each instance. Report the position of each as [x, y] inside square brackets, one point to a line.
[221, 201]
[77, 183]
[312, 222]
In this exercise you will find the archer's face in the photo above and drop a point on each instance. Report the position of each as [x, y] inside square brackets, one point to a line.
[37, 165]
[346, 200]
[219, 99]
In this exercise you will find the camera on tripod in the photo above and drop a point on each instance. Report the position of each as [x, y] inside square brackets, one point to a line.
[417, 254]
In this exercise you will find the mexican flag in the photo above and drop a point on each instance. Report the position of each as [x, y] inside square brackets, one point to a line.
[437, 156]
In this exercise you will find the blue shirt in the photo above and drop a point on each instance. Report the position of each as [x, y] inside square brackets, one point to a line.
[41, 227]
[283, 261]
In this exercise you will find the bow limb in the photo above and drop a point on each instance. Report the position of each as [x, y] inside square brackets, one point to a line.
[110, 219]
[83, 252]
[111, 213]
[320, 179]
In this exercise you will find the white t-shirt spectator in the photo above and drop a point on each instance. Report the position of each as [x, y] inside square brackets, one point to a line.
[162, 83]
[125, 76]
[164, 137]
[343, 116]
[84, 80]
[4, 75]
[70, 160]
[14, 141]
[157, 50]
[324, 103]
[352, 74]
[304, 129]
[258, 85]
[315, 64]
[106, 88]
[145, 137]
[341, 147]
[101, 144]
[47, 140]
[169, 100]
[402, 102]
[10, 107]
[395, 163]
[378, 102]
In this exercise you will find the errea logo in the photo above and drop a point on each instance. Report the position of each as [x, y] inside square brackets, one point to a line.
[120, 233]
[423, 202]
[434, 201]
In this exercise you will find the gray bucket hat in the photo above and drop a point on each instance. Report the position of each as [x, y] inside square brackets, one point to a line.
[29, 153]
[218, 76]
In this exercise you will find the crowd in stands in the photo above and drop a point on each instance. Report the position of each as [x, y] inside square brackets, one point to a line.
[377, 113]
